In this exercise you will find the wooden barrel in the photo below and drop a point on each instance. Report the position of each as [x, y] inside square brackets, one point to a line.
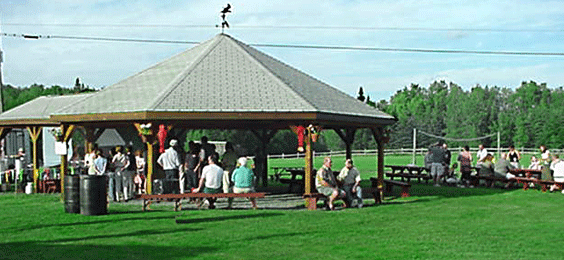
[72, 186]
[93, 195]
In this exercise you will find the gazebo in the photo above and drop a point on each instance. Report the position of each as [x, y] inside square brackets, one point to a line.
[221, 83]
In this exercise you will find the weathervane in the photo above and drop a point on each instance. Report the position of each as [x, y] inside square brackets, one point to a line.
[223, 15]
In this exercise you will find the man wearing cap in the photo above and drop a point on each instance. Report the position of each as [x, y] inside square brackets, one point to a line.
[170, 162]
[350, 178]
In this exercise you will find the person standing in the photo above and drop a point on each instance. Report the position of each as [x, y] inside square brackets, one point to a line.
[465, 161]
[191, 163]
[212, 177]
[326, 184]
[229, 162]
[140, 180]
[446, 163]
[131, 169]
[437, 161]
[350, 177]
[120, 163]
[243, 180]
[545, 163]
[100, 163]
[514, 157]
[170, 162]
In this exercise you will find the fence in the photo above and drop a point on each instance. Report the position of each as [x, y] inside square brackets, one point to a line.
[405, 151]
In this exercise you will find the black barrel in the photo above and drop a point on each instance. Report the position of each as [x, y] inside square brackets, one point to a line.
[72, 202]
[93, 195]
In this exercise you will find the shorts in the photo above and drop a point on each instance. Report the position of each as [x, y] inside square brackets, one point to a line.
[328, 191]
[243, 190]
[213, 191]
[437, 169]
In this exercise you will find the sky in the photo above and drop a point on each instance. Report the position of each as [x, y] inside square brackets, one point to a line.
[515, 26]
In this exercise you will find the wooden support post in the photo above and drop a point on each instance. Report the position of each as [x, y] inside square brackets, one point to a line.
[348, 138]
[381, 139]
[90, 136]
[34, 132]
[308, 164]
[149, 137]
[67, 131]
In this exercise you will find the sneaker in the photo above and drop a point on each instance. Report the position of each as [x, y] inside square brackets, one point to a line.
[562, 191]
[360, 204]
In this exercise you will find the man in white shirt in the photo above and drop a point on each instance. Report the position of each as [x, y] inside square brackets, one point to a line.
[170, 162]
[481, 155]
[212, 178]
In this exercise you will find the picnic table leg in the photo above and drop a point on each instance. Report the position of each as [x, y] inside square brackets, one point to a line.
[177, 204]
[405, 192]
[311, 203]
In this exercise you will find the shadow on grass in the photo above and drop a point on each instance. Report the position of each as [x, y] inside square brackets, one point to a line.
[42, 250]
[82, 223]
[182, 220]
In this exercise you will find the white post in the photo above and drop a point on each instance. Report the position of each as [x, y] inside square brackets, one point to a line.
[414, 144]
[498, 145]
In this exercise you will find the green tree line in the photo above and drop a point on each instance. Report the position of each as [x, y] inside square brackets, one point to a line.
[528, 116]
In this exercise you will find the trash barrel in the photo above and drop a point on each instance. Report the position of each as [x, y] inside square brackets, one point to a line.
[93, 195]
[72, 202]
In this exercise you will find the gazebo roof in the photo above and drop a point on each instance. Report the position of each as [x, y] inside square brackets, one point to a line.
[222, 79]
[38, 110]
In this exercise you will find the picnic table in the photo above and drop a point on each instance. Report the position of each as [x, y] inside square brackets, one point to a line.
[528, 173]
[294, 172]
[408, 172]
[281, 171]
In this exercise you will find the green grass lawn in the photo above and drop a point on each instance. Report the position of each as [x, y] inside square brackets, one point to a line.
[435, 223]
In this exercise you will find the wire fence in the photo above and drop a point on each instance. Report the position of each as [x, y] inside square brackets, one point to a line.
[405, 151]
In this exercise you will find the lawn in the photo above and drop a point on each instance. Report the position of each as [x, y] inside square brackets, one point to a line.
[435, 223]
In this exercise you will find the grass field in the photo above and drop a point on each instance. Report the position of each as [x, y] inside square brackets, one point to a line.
[435, 223]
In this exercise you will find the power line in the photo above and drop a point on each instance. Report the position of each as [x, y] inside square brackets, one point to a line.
[320, 47]
[298, 27]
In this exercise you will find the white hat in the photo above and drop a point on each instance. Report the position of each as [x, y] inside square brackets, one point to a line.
[173, 142]
[243, 161]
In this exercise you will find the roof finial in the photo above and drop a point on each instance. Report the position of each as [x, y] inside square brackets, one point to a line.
[224, 23]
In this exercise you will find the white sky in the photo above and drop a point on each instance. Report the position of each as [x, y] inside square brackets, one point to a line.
[539, 27]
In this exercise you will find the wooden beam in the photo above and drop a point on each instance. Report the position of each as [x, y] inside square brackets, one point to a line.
[348, 138]
[67, 131]
[381, 139]
[34, 132]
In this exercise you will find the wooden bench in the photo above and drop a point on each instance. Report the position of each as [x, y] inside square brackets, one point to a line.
[177, 198]
[390, 183]
[546, 184]
[490, 180]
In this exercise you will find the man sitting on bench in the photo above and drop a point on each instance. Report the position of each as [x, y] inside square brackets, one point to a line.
[326, 184]
[350, 177]
[212, 177]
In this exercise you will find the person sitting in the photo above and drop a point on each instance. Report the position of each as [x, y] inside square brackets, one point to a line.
[243, 180]
[487, 166]
[212, 176]
[535, 164]
[503, 167]
[558, 167]
[326, 184]
[350, 177]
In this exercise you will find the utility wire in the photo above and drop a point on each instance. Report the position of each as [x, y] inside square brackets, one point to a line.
[321, 47]
[298, 27]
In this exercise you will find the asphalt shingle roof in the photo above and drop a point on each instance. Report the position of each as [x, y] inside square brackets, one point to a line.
[222, 75]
